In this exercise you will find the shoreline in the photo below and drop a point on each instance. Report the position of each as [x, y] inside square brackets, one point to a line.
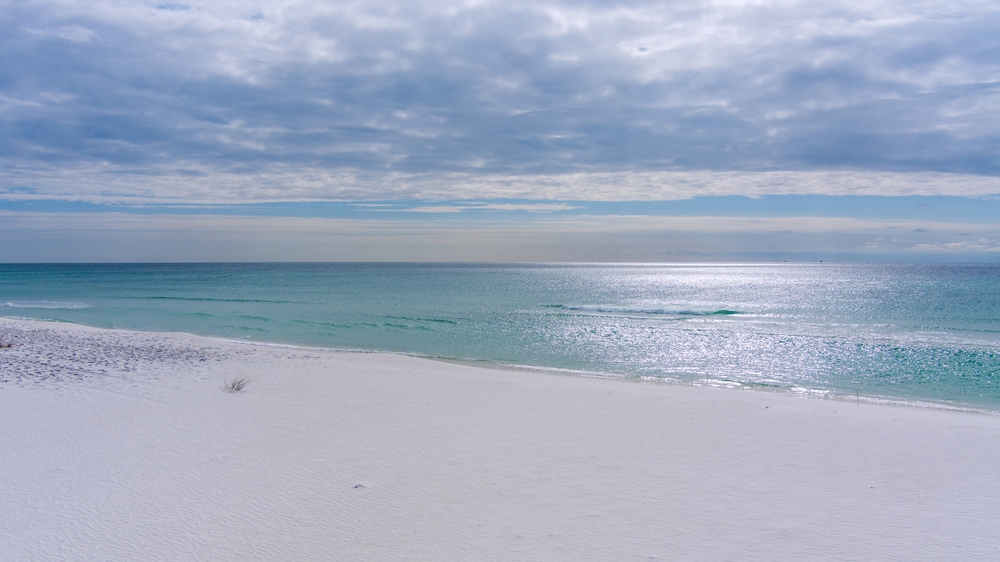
[125, 445]
[801, 392]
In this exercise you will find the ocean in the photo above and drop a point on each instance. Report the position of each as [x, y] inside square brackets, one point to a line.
[914, 333]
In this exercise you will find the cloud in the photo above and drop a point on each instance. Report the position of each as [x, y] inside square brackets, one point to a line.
[234, 100]
[35, 237]
[437, 209]
[529, 207]
[190, 183]
[74, 33]
[982, 245]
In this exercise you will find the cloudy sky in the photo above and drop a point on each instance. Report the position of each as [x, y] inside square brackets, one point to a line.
[515, 130]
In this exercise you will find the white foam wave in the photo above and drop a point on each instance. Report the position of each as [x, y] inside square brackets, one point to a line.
[55, 305]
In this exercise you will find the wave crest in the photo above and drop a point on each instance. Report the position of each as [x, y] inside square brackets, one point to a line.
[54, 305]
[596, 309]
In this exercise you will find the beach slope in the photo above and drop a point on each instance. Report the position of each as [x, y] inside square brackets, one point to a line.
[120, 445]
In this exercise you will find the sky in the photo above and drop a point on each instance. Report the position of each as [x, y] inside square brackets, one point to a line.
[235, 130]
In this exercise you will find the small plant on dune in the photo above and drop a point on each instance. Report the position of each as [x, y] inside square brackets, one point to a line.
[236, 384]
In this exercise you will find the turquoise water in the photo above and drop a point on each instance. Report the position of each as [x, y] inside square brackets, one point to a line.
[897, 331]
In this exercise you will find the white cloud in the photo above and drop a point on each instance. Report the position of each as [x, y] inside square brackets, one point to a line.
[73, 33]
[437, 209]
[529, 207]
[982, 245]
[200, 185]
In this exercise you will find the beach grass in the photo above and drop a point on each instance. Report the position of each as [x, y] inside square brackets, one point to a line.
[236, 384]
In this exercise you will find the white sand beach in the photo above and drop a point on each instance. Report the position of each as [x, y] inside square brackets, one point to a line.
[124, 446]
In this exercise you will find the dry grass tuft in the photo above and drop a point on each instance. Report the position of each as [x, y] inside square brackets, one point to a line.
[236, 384]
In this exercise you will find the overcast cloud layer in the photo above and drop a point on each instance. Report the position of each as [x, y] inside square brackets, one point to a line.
[228, 101]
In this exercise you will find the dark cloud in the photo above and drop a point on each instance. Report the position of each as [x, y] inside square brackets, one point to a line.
[394, 89]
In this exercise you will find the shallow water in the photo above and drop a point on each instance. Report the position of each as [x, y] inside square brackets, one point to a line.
[901, 331]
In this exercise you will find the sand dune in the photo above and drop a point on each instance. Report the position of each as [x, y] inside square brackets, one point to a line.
[124, 446]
